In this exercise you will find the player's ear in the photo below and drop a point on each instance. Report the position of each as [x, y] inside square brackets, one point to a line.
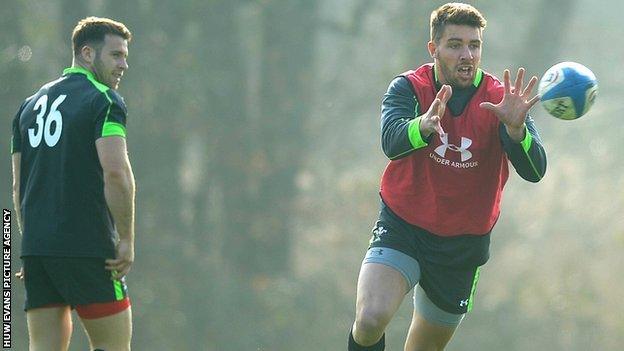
[87, 54]
[433, 50]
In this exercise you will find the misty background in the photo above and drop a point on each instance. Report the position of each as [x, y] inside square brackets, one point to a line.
[253, 131]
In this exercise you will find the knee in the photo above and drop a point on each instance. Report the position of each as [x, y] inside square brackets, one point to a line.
[370, 324]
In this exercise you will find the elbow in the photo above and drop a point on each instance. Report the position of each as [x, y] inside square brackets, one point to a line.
[386, 147]
[541, 171]
[16, 191]
[532, 178]
[541, 176]
[16, 198]
[535, 177]
[387, 151]
[114, 174]
[390, 151]
[119, 177]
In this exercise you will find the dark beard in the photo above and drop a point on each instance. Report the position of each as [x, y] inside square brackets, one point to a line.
[97, 67]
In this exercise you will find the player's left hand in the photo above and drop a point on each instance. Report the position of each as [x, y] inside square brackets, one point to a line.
[516, 103]
[122, 263]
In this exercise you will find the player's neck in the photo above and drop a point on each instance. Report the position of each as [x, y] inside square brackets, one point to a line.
[79, 64]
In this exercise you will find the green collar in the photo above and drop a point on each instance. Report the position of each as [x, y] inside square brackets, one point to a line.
[81, 70]
[477, 78]
[101, 87]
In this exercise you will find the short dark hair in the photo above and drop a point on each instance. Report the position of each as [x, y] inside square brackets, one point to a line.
[454, 13]
[92, 30]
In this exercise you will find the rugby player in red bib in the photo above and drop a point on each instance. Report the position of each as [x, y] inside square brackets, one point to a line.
[449, 129]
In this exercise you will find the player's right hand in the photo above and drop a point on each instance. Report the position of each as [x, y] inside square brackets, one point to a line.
[120, 266]
[430, 121]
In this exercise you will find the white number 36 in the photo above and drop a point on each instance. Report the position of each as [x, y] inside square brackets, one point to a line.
[44, 127]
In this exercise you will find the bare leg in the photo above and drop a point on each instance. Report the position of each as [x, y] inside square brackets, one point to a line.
[380, 291]
[425, 336]
[111, 333]
[49, 328]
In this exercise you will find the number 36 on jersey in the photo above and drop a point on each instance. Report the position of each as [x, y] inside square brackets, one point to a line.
[43, 129]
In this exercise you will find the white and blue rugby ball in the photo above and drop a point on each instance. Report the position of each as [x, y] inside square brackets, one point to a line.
[568, 90]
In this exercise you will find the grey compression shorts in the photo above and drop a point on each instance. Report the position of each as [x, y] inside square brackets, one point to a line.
[410, 269]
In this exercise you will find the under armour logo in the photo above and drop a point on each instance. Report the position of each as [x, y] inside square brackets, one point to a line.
[379, 252]
[463, 149]
[463, 303]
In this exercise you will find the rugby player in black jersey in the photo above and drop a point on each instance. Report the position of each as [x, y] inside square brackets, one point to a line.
[73, 190]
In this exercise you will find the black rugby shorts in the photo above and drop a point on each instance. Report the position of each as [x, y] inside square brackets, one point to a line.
[69, 281]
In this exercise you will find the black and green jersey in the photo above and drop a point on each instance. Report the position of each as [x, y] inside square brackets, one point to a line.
[63, 207]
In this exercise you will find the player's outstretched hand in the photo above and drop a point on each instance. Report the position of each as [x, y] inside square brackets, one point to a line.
[516, 103]
[430, 121]
[123, 262]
